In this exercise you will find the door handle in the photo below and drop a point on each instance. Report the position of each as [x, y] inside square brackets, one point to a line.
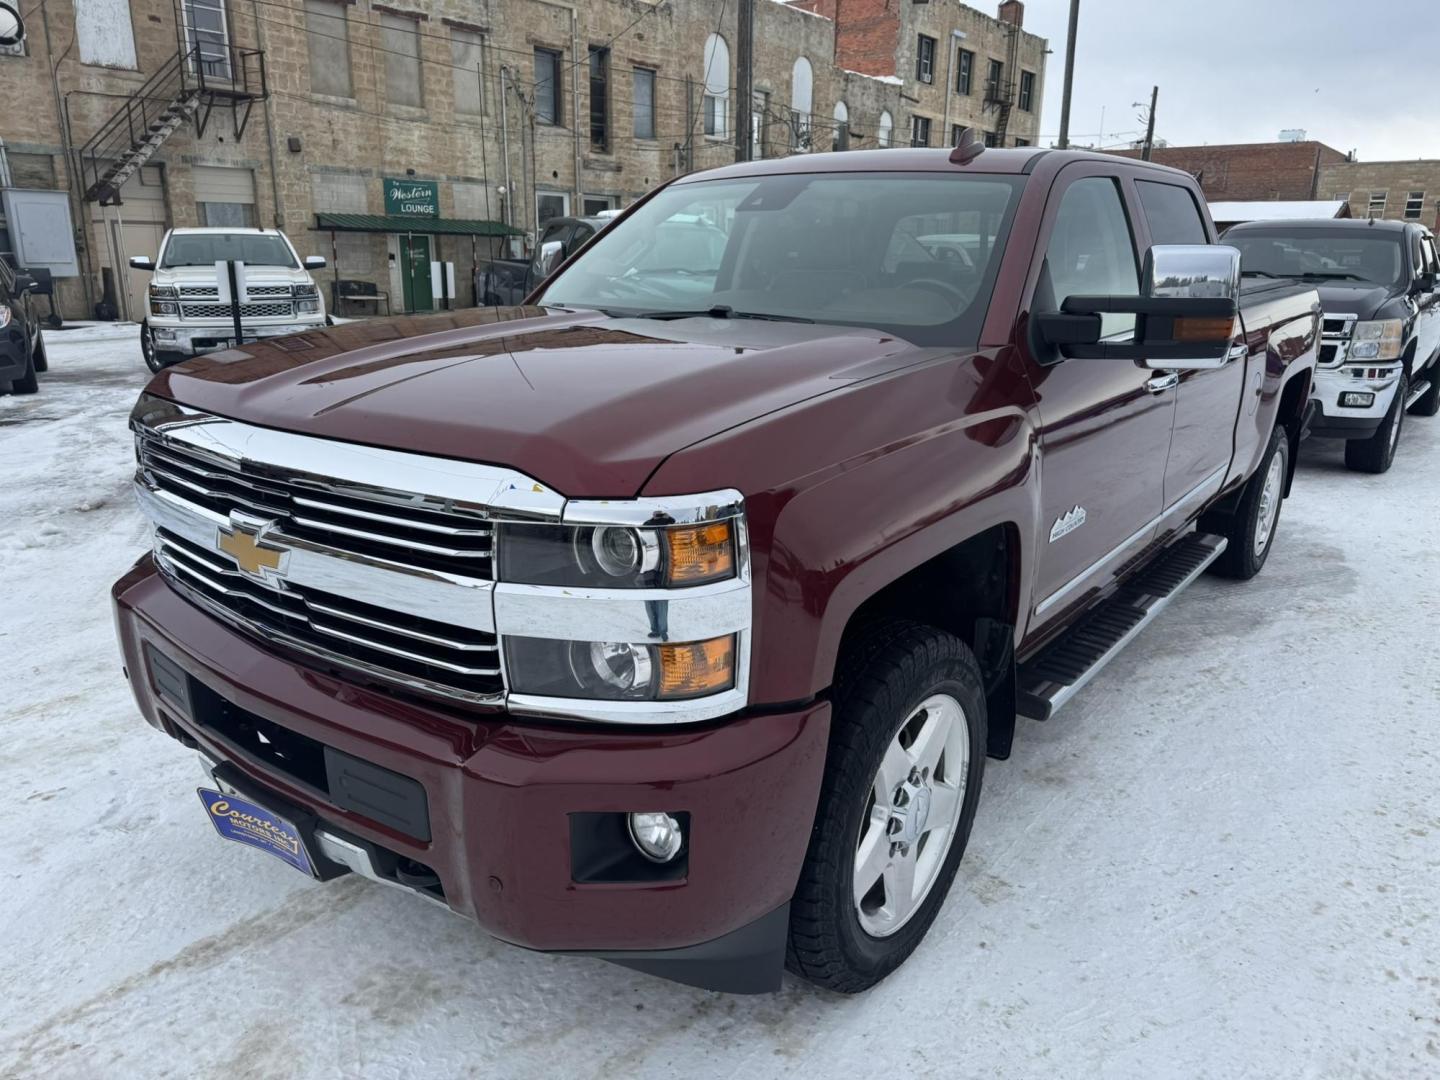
[1160, 383]
[1237, 352]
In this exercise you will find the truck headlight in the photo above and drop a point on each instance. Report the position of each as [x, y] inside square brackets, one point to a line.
[617, 556]
[307, 307]
[304, 290]
[620, 671]
[163, 308]
[1378, 339]
[4, 316]
[164, 292]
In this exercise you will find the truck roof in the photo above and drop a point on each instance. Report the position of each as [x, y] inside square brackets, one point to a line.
[1357, 224]
[992, 161]
[227, 230]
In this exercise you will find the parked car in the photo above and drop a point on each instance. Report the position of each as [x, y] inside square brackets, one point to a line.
[675, 627]
[186, 315]
[1380, 348]
[506, 282]
[22, 345]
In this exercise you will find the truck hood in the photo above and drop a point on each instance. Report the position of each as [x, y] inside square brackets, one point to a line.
[205, 275]
[1354, 298]
[586, 404]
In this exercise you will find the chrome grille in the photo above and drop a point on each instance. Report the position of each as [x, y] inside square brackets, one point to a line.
[247, 311]
[388, 644]
[306, 508]
[1335, 331]
[209, 292]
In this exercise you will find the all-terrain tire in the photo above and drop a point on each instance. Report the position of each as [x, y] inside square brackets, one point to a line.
[1250, 528]
[885, 674]
[42, 360]
[1377, 453]
[27, 383]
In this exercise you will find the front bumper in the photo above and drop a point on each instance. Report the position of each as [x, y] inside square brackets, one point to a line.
[196, 339]
[1336, 421]
[501, 796]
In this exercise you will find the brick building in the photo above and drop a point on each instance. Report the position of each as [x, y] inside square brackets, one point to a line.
[1399, 190]
[1241, 172]
[433, 129]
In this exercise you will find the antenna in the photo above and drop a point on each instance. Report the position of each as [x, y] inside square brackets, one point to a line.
[967, 149]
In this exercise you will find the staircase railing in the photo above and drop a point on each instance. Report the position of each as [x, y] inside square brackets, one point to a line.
[196, 78]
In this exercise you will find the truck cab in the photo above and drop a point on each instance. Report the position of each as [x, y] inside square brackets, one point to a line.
[186, 314]
[1380, 347]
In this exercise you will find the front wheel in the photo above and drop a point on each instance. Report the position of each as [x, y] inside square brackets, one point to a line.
[1250, 528]
[147, 348]
[42, 362]
[902, 780]
[1377, 453]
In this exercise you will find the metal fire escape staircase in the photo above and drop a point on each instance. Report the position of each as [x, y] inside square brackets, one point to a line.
[188, 87]
[1000, 93]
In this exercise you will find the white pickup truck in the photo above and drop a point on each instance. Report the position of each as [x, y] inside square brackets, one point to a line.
[186, 313]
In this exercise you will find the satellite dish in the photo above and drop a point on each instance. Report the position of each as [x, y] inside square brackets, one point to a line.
[12, 27]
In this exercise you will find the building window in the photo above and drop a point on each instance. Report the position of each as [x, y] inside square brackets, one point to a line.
[884, 129]
[715, 106]
[599, 99]
[591, 205]
[1027, 91]
[802, 101]
[956, 132]
[964, 71]
[643, 103]
[990, 139]
[547, 87]
[993, 78]
[1022, 142]
[925, 59]
[759, 109]
[400, 40]
[548, 205]
[919, 131]
[1414, 204]
[841, 138]
[1377, 203]
[467, 53]
[327, 39]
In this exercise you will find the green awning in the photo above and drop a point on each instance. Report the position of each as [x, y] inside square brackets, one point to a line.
[389, 223]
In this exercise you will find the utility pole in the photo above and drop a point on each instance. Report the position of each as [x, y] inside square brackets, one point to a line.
[745, 77]
[1150, 125]
[1069, 76]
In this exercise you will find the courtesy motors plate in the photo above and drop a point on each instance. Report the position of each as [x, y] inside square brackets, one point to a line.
[249, 823]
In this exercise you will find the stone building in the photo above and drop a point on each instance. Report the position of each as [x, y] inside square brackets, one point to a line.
[387, 136]
[1400, 190]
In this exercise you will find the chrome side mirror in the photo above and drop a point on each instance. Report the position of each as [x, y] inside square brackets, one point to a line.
[142, 262]
[1192, 271]
[314, 262]
[552, 252]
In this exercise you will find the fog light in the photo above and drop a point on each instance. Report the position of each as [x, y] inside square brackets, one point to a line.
[657, 836]
[1356, 400]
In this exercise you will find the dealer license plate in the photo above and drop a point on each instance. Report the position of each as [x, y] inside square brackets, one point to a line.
[249, 823]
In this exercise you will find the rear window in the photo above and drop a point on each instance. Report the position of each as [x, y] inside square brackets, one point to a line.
[206, 249]
[1171, 213]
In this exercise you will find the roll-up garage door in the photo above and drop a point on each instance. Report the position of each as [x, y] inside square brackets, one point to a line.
[224, 195]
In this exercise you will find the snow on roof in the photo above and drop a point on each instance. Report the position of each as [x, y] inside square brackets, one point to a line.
[1276, 210]
[888, 80]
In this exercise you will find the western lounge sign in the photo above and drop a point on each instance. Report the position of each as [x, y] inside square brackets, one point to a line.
[412, 198]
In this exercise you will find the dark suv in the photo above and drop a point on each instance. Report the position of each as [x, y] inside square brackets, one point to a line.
[1380, 349]
[22, 350]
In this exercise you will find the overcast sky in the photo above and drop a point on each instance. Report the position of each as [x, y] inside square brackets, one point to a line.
[1361, 76]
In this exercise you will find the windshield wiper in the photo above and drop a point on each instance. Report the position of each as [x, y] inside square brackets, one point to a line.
[1333, 274]
[1256, 273]
[719, 311]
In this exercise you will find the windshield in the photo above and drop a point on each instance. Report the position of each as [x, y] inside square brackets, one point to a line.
[913, 254]
[1344, 255]
[206, 249]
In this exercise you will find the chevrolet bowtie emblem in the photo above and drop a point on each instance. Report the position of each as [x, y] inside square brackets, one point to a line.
[244, 541]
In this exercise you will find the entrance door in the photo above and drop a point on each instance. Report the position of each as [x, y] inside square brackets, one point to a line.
[207, 30]
[415, 273]
[1104, 424]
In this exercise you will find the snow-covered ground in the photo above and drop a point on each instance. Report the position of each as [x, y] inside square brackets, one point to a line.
[1222, 860]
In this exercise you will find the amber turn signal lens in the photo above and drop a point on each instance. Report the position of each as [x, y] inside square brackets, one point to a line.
[700, 553]
[1192, 329]
[696, 668]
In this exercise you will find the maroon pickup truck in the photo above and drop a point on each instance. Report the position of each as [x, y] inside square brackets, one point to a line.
[672, 618]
